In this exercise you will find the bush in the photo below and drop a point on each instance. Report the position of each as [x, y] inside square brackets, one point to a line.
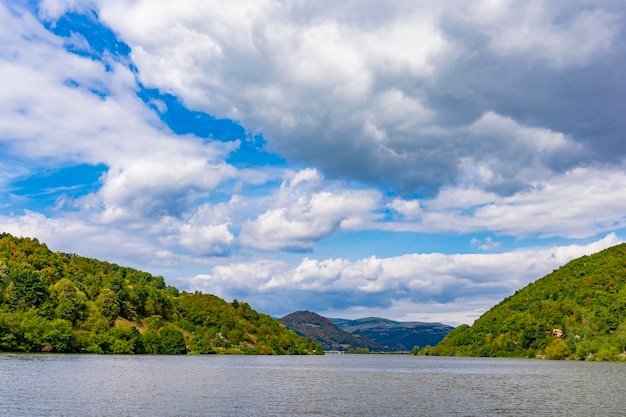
[557, 349]
[172, 342]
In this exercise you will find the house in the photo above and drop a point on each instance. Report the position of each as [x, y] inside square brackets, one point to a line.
[557, 332]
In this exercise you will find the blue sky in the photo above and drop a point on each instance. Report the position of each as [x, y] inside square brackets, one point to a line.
[401, 159]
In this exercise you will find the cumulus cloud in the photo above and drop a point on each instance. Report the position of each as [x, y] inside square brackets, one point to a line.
[415, 95]
[207, 231]
[544, 30]
[78, 236]
[62, 105]
[62, 109]
[581, 203]
[57, 104]
[489, 118]
[160, 183]
[410, 209]
[156, 245]
[459, 282]
[485, 244]
[305, 210]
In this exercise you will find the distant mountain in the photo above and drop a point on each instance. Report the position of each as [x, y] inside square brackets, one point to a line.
[576, 312]
[393, 335]
[320, 329]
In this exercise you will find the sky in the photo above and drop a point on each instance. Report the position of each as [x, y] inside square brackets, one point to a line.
[412, 160]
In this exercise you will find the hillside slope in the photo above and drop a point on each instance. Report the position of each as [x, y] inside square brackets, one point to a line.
[576, 312]
[57, 302]
[311, 325]
[395, 336]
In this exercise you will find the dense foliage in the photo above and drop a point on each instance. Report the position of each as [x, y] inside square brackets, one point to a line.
[57, 302]
[576, 312]
[312, 325]
[395, 336]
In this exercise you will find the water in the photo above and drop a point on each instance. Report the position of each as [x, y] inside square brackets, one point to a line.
[331, 385]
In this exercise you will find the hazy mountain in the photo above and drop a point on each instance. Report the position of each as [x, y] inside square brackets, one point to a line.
[393, 335]
[320, 329]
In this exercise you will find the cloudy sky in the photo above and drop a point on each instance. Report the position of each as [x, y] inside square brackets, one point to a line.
[413, 160]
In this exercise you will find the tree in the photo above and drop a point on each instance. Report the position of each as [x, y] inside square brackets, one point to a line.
[71, 303]
[108, 304]
[51, 301]
[25, 288]
[151, 342]
[172, 342]
[58, 336]
[4, 270]
[202, 344]
[557, 349]
[10, 333]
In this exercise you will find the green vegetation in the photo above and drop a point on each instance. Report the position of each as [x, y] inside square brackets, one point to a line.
[57, 302]
[359, 351]
[576, 312]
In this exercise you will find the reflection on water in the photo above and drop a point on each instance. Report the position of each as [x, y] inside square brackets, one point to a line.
[332, 385]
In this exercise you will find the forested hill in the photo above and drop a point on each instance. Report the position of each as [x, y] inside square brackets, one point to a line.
[312, 325]
[57, 302]
[576, 312]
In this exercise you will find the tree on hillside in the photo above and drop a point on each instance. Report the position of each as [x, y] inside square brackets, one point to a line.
[57, 302]
[575, 312]
[109, 305]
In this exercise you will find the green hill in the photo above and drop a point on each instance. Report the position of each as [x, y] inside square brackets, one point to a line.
[312, 325]
[58, 302]
[395, 336]
[576, 312]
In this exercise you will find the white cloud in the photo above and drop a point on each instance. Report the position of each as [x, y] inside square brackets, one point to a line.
[211, 240]
[53, 9]
[544, 29]
[207, 230]
[460, 286]
[59, 109]
[455, 313]
[235, 278]
[161, 182]
[304, 212]
[391, 94]
[485, 244]
[153, 173]
[283, 71]
[580, 203]
[461, 198]
[484, 110]
[411, 209]
[148, 244]
[73, 235]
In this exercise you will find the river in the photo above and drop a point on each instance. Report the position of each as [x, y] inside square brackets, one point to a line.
[331, 385]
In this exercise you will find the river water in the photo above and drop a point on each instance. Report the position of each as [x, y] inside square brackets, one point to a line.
[330, 385]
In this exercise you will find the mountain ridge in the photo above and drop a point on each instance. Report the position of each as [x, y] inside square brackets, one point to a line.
[394, 335]
[320, 329]
[372, 333]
